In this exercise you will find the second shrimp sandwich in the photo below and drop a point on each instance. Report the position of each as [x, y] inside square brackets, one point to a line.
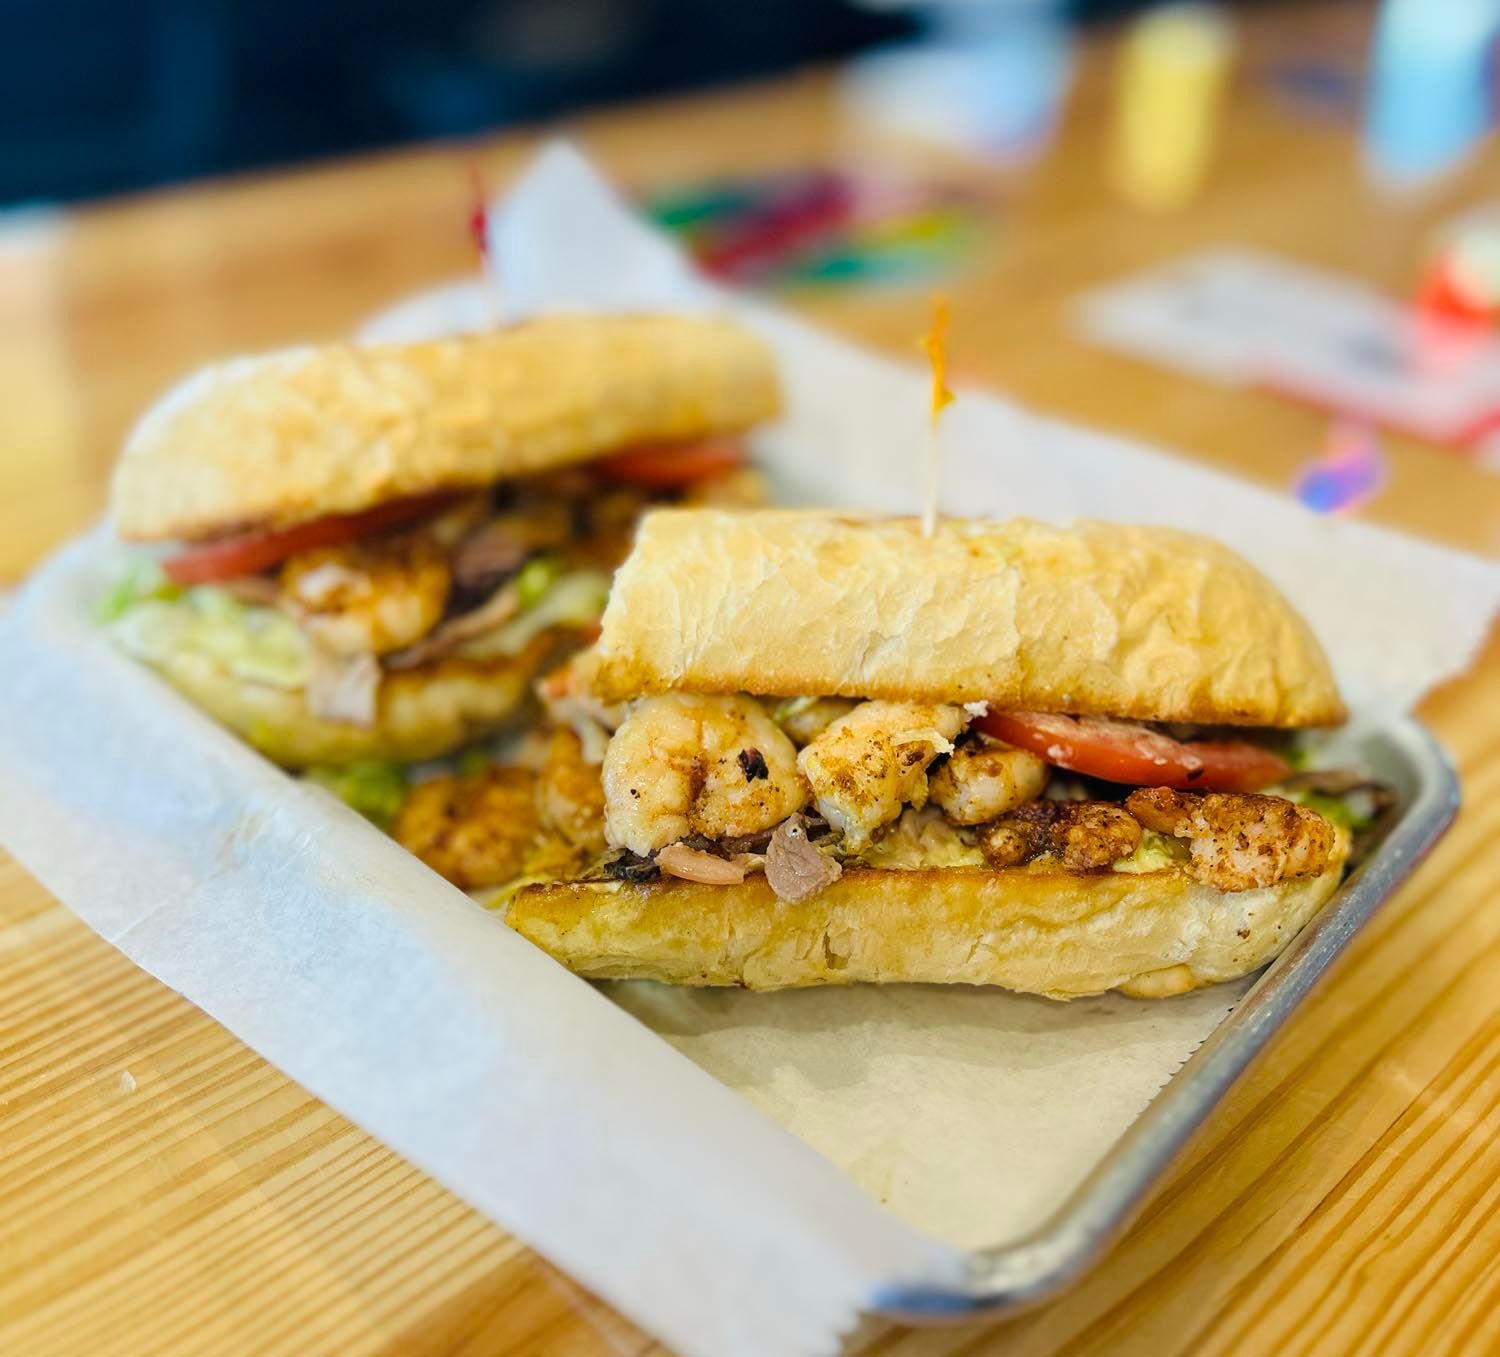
[841, 750]
[374, 549]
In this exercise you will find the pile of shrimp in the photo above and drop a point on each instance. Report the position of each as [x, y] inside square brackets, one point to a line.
[711, 787]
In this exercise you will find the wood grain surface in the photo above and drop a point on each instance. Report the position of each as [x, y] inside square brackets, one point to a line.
[164, 1192]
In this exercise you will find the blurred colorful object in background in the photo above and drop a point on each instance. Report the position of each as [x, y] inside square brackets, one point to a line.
[1462, 280]
[1317, 68]
[987, 78]
[1173, 69]
[1350, 471]
[823, 226]
[1431, 94]
[1330, 87]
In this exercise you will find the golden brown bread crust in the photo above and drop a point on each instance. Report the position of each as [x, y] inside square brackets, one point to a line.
[291, 436]
[422, 713]
[1040, 931]
[1098, 618]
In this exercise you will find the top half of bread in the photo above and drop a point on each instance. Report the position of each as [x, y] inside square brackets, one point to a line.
[280, 439]
[1098, 618]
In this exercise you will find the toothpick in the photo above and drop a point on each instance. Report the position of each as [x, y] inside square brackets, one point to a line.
[479, 229]
[935, 342]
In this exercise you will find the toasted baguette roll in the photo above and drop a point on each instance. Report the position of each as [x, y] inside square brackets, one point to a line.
[1050, 932]
[1099, 618]
[421, 713]
[280, 439]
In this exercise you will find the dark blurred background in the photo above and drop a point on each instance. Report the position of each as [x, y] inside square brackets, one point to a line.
[103, 96]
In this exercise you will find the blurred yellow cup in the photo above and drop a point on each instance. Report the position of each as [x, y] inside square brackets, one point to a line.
[1173, 69]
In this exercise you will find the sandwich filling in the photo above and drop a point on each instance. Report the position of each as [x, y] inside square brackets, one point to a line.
[714, 789]
[456, 587]
[881, 783]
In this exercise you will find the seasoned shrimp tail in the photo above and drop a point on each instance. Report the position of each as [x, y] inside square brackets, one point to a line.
[1238, 841]
[370, 597]
[684, 765]
[475, 831]
[570, 795]
[865, 766]
[984, 778]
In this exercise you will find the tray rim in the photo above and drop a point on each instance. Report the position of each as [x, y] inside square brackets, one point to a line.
[1008, 1278]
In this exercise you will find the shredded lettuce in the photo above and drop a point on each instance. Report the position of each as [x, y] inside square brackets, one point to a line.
[155, 621]
[534, 578]
[260, 645]
[1299, 754]
[374, 788]
[574, 599]
[474, 761]
[1334, 809]
[144, 580]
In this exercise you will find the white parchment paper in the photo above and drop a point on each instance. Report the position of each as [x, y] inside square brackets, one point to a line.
[621, 1148]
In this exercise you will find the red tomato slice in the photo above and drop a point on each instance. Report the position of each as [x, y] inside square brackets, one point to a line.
[1120, 751]
[669, 466]
[249, 553]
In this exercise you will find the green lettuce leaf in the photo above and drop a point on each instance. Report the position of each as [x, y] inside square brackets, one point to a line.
[373, 787]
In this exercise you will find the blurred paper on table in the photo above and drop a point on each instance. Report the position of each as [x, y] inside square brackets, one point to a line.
[1248, 318]
[388, 993]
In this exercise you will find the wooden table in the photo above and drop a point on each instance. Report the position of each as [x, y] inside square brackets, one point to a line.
[164, 1191]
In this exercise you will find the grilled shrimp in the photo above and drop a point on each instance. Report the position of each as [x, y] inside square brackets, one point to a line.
[683, 765]
[985, 778]
[475, 831]
[1084, 836]
[869, 763]
[805, 718]
[1237, 841]
[569, 794]
[368, 597]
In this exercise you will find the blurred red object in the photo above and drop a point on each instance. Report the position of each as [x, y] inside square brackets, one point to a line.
[1447, 294]
[806, 208]
[479, 213]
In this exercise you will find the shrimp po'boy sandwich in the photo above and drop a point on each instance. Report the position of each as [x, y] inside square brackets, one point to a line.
[1052, 759]
[374, 550]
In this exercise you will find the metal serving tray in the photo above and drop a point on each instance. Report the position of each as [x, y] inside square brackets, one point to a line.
[1003, 1280]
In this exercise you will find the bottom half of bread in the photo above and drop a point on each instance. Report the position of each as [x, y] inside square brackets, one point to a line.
[421, 713]
[1053, 932]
